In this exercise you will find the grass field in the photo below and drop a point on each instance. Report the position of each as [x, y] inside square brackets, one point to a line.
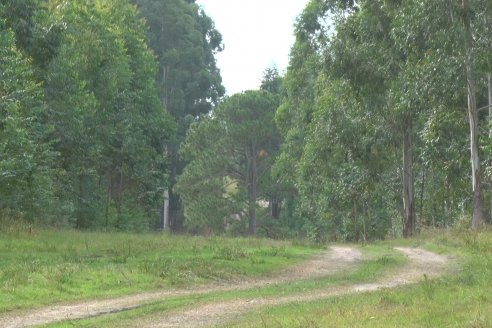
[46, 266]
[58, 266]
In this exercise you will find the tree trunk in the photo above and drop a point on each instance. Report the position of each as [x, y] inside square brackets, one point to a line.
[165, 105]
[165, 211]
[364, 224]
[354, 216]
[108, 197]
[478, 217]
[252, 190]
[489, 77]
[422, 189]
[408, 184]
[119, 199]
[274, 207]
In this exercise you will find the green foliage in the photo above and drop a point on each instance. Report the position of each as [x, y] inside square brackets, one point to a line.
[19, 18]
[26, 158]
[89, 87]
[110, 127]
[96, 98]
[293, 117]
[232, 144]
[185, 41]
[88, 94]
[341, 157]
[363, 77]
[332, 140]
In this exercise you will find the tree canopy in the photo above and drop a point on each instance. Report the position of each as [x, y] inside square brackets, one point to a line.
[113, 116]
[374, 122]
[231, 147]
[105, 91]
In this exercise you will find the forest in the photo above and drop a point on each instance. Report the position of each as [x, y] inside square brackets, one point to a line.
[113, 117]
[352, 189]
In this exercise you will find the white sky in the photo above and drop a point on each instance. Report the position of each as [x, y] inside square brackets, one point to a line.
[256, 33]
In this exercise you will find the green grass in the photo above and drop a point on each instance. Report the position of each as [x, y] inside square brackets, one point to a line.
[378, 260]
[54, 266]
[463, 298]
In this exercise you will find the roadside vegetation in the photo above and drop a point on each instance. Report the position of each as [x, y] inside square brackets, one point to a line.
[49, 266]
[458, 299]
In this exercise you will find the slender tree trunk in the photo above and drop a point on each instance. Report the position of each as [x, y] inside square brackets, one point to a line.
[364, 219]
[478, 217]
[489, 78]
[489, 85]
[354, 216]
[252, 190]
[165, 104]
[422, 189]
[119, 199]
[274, 207]
[165, 211]
[83, 221]
[108, 197]
[408, 184]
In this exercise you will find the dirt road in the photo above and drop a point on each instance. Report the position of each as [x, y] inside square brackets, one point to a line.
[334, 260]
[421, 263]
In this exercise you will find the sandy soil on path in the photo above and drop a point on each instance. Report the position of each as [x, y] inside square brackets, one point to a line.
[336, 259]
[421, 263]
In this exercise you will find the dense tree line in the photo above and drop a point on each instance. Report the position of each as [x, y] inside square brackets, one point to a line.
[185, 41]
[92, 96]
[382, 108]
[113, 115]
[382, 105]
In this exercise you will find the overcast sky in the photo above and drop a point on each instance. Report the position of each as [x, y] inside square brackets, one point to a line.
[257, 34]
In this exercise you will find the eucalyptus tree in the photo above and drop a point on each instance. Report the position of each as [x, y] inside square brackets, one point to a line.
[356, 45]
[328, 30]
[26, 157]
[362, 56]
[295, 111]
[273, 191]
[229, 147]
[453, 69]
[35, 34]
[486, 44]
[478, 218]
[345, 174]
[477, 20]
[405, 65]
[109, 126]
[185, 41]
